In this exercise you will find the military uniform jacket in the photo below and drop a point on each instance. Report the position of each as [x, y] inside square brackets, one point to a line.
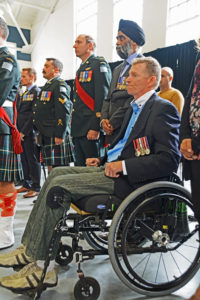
[25, 110]
[94, 76]
[9, 82]
[118, 100]
[52, 110]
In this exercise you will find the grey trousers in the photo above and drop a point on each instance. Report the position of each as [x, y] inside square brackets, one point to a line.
[77, 182]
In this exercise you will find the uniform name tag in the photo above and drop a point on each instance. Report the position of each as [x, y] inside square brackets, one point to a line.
[62, 89]
[8, 66]
[103, 69]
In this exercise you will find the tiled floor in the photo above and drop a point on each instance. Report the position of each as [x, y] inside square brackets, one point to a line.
[111, 287]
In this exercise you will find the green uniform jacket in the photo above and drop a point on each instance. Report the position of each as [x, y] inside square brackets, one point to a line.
[94, 76]
[52, 110]
[9, 82]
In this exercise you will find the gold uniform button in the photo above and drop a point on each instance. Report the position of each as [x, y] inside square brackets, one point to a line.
[73, 110]
[34, 112]
[74, 100]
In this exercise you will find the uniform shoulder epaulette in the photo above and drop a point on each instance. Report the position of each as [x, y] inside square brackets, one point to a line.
[10, 59]
[100, 59]
[62, 81]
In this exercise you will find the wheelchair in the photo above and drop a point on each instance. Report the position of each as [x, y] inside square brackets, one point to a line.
[153, 238]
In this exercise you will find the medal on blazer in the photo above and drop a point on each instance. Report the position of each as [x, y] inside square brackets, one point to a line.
[147, 149]
[122, 84]
[141, 146]
[142, 150]
[137, 151]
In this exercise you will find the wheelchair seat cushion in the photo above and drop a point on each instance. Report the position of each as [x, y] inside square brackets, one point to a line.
[96, 203]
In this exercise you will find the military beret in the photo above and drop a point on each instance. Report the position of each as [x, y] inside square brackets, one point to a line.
[133, 31]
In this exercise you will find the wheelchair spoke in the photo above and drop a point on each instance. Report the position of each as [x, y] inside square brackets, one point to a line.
[175, 262]
[165, 268]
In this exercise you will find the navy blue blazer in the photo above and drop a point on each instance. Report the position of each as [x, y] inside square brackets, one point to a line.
[159, 122]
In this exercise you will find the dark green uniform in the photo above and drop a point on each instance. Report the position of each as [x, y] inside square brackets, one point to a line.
[9, 83]
[94, 76]
[52, 111]
[51, 117]
[10, 164]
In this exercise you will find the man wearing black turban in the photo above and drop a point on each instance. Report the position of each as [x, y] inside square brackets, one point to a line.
[130, 38]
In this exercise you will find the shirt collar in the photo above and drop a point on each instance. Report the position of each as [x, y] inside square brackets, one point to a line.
[131, 57]
[87, 59]
[29, 87]
[50, 80]
[144, 98]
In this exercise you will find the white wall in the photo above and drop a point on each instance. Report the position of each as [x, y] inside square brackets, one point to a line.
[56, 37]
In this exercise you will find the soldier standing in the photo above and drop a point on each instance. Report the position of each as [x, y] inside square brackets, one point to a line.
[91, 87]
[31, 152]
[51, 117]
[10, 164]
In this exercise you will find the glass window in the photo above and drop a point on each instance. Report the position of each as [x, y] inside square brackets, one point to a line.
[129, 10]
[183, 21]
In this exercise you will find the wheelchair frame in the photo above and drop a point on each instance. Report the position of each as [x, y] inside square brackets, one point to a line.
[140, 232]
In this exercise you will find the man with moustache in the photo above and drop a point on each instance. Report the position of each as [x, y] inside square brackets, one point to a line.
[51, 117]
[130, 38]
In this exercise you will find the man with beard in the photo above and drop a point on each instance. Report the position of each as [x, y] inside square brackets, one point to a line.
[130, 38]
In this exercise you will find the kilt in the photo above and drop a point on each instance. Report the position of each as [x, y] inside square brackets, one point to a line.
[57, 155]
[10, 163]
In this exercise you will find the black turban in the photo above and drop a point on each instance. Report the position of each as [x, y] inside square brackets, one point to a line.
[133, 31]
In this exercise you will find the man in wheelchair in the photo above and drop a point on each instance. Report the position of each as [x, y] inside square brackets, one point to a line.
[146, 149]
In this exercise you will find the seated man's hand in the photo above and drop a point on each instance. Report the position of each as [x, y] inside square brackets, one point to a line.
[186, 149]
[113, 169]
[58, 141]
[93, 135]
[92, 162]
[107, 127]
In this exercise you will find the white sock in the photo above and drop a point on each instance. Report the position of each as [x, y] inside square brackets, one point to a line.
[51, 266]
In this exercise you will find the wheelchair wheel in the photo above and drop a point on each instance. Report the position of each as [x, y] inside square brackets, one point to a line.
[168, 256]
[64, 255]
[87, 288]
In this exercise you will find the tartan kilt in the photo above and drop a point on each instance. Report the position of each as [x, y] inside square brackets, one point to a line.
[57, 155]
[10, 162]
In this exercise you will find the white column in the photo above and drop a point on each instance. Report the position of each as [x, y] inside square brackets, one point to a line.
[105, 29]
[154, 23]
